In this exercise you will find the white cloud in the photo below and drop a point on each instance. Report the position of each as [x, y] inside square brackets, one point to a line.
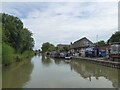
[67, 22]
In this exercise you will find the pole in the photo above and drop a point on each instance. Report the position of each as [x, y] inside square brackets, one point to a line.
[97, 39]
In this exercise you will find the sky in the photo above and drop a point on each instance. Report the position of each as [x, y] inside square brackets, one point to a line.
[66, 22]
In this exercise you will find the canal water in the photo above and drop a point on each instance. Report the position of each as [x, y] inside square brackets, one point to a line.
[40, 72]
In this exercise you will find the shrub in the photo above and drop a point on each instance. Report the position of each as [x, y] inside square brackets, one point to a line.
[27, 54]
[7, 54]
[0, 53]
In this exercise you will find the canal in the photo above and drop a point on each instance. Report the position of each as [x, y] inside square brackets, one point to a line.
[39, 72]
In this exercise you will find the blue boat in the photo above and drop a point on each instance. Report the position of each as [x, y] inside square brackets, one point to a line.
[92, 52]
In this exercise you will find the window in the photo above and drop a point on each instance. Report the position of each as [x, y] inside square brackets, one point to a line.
[86, 43]
[115, 49]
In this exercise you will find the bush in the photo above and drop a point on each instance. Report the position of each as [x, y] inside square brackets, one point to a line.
[0, 53]
[27, 54]
[18, 57]
[7, 54]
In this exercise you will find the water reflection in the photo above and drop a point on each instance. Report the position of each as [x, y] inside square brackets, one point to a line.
[89, 70]
[57, 61]
[0, 77]
[43, 72]
[46, 60]
[17, 74]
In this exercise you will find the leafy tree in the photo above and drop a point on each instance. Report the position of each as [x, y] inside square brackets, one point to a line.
[0, 39]
[15, 35]
[17, 42]
[11, 28]
[100, 43]
[26, 41]
[115, 37]
[47, 47]
[65, 48]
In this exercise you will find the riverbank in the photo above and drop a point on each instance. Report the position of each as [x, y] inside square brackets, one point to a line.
[100, 61]
[96, 60]
[16, 57]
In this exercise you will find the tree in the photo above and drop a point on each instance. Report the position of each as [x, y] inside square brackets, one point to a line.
[15, 35]
[47, 47]
[64, 49]
[26, 41]
[115, 37]
[100, 43]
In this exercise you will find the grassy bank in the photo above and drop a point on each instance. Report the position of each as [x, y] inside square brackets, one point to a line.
[0, 54]
[0, 43]
[9, 55]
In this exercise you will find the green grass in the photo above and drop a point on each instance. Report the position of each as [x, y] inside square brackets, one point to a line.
[26, 54]
[7, 54]
[0, 43]
[0, 53]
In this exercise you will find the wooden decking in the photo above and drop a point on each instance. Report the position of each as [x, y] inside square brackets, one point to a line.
[101, 61]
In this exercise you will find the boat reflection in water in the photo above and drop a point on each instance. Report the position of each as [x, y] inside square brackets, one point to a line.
[88, 71]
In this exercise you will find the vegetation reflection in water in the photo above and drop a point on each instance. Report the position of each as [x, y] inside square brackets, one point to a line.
[17, 74]
[41, 72]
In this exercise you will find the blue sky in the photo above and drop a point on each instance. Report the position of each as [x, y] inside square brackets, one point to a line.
[65, 22]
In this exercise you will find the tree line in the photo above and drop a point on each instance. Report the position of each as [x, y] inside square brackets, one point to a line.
[48, 47]
[15, 38]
